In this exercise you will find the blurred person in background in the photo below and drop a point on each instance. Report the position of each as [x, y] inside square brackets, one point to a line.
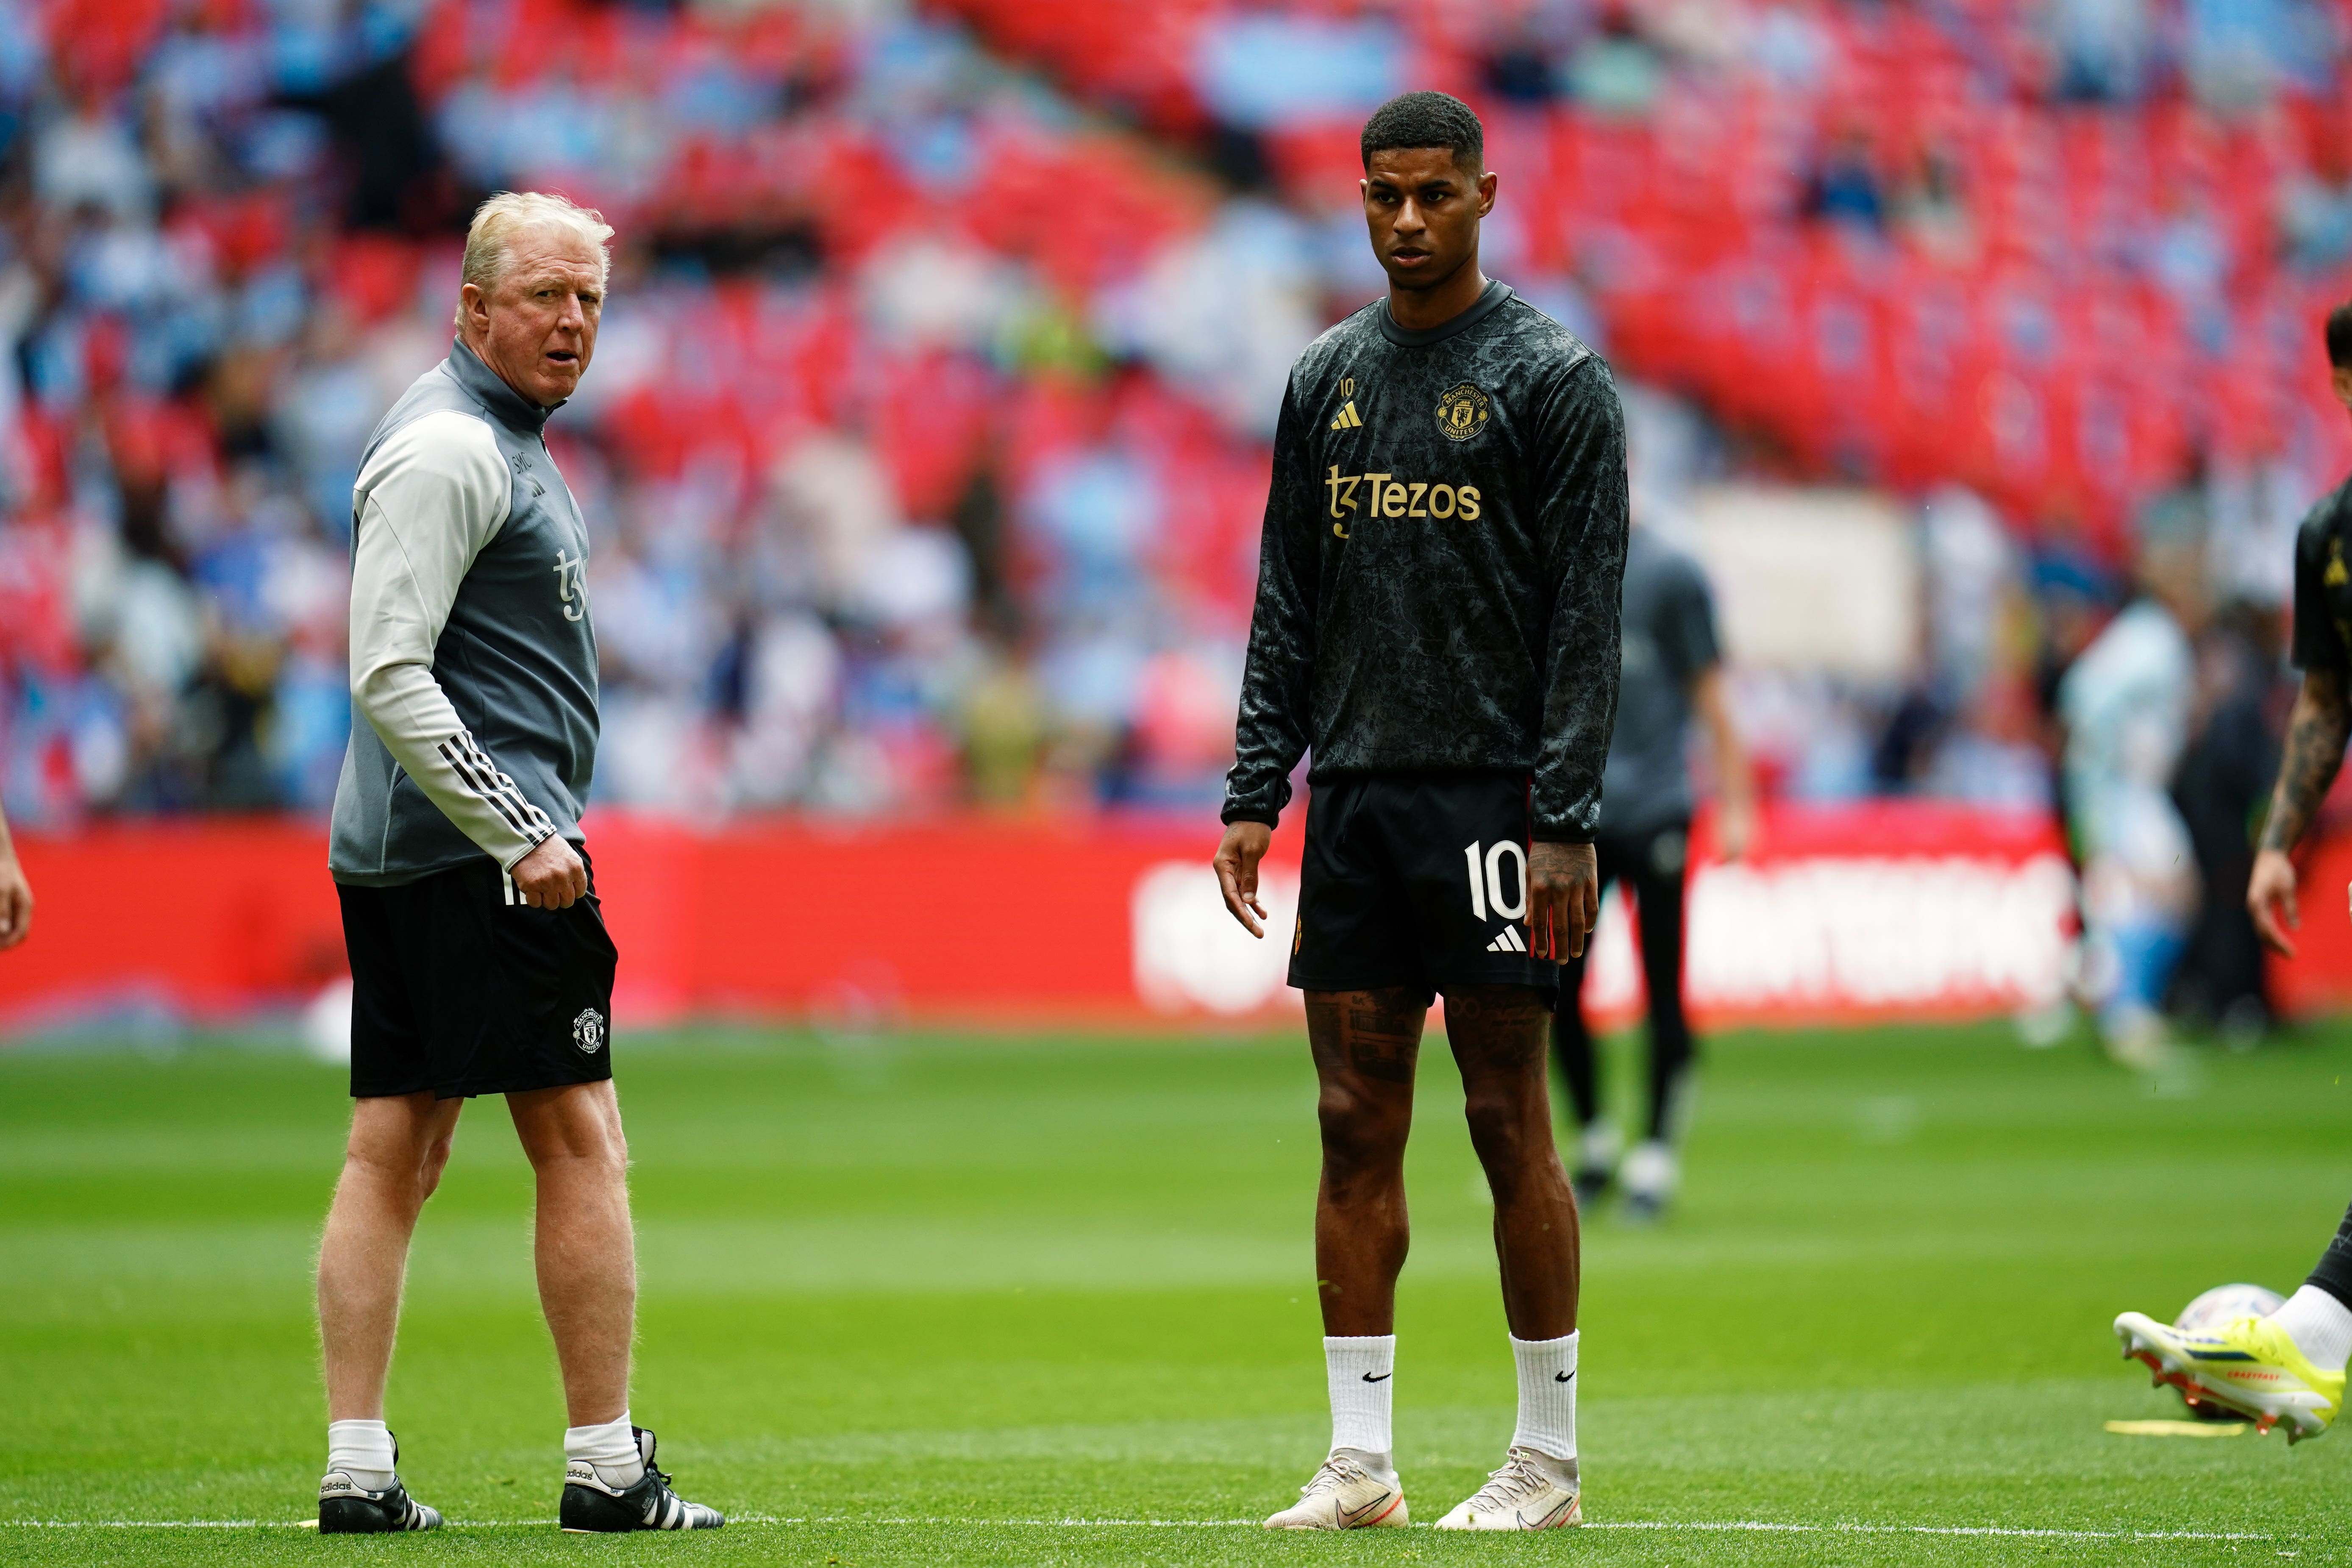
[1437, 620]
[1671, 674]
[2126, 707]
[2223, 782]
[480, 964]
[15, 892]
[2288, 1368]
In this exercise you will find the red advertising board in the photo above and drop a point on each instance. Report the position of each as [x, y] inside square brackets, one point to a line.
[1884, 910]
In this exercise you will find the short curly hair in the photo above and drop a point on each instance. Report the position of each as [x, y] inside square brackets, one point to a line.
[1427, 119]
[2339, 336]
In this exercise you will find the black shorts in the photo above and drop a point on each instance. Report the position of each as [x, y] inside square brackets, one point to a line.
[456, 990]
[1418, 880]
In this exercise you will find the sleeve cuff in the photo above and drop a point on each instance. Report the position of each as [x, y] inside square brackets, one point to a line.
[1234, 814]
[520, 855]
[1561, 836]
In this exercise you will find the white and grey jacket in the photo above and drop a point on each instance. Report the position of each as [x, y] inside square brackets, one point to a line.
[473, 659]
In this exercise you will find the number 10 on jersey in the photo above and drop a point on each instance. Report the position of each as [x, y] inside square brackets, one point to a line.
[1487, 880]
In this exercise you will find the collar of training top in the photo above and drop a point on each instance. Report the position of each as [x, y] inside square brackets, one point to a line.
[1488, 301]
[512, 408]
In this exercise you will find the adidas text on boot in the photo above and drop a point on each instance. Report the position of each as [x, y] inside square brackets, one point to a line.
[347, 1508]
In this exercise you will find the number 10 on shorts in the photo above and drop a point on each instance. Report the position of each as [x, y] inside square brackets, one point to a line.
[1487, 880]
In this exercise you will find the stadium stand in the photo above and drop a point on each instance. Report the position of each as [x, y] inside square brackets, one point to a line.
[926, 443]
[2058, 254]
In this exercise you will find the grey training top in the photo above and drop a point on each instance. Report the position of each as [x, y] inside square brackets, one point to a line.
[1668, 641]
[473, 658]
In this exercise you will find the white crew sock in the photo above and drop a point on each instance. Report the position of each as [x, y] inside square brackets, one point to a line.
[2320, 1326]
[1547, 1395]
[1363, 1372]
[361, 1450]
[611, 1448]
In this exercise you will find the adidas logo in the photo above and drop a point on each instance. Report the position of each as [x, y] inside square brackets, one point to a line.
[1509, 942]
[1348, 418]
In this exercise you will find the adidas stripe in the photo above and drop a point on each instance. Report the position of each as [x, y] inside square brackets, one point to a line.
[475, 769]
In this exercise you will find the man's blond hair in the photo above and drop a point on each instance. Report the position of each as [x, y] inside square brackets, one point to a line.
[490, 239]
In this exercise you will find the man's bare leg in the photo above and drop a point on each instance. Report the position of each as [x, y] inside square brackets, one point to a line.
[585, 1250]
[398, 1148]
[1497, 1034]
[1365, 1044]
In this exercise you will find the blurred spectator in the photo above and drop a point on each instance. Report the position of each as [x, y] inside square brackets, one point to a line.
[1843, 186]
[1617, 72]
[2103, 48]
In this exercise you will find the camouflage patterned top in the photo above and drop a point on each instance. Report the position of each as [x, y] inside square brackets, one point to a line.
[2322, 584]
[1439, 579]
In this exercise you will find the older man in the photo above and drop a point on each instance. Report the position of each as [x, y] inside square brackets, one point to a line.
[479, 959]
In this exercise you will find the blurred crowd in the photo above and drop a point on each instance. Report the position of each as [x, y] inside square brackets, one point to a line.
[926, 443]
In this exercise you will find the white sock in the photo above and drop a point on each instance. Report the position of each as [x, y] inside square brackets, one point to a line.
[1547, 1395]
[1363, 1372]
[2320, 1326]
[1651, 1170]
[361, 1450]
[612, 1448]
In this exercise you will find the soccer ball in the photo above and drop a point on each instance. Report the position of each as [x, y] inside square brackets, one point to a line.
[2205, 1315]
[2224, 1304]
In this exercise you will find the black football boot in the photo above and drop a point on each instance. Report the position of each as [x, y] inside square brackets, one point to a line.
[591, 1506]
[347, 1508]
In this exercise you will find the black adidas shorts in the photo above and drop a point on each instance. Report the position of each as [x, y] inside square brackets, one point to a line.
[456, 990]
[1419, 881]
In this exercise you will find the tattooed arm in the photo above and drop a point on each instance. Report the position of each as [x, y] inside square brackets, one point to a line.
[2316, 731]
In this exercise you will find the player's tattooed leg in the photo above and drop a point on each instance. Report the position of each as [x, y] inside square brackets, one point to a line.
[1497, 1035]
[1365, 1045]
[1374, 1033]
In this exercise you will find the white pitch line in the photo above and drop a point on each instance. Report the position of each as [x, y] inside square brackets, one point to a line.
[1756, 1526]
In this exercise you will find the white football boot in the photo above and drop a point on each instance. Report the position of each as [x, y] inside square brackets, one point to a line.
[1344, 1495]
[1531, 1491]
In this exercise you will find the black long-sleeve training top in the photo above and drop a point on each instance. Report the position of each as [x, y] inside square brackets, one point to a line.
[1438, 582]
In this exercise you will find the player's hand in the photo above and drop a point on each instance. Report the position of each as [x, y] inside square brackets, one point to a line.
[1735, 826]
[551, 877]
[2270, 898]
[1236, 863]
[15, 902]
[1564, 898]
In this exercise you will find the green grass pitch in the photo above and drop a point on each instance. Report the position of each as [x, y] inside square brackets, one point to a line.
[1003, 1301]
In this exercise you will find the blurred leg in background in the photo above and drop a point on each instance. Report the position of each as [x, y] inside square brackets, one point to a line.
[1654, 875]
[1650, 871]
[1598, 1141]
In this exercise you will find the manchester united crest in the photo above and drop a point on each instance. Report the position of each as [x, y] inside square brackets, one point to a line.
[1462, 413]
[588, 1031]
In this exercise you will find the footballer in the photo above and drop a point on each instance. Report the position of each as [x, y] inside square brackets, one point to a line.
[1437, 621]
[2288, 1368]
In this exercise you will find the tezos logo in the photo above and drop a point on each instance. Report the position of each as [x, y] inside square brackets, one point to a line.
[1462, 413]
[588, 1031]
[572, 584]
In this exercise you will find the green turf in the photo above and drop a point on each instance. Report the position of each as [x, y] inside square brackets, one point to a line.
[924, 1299]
